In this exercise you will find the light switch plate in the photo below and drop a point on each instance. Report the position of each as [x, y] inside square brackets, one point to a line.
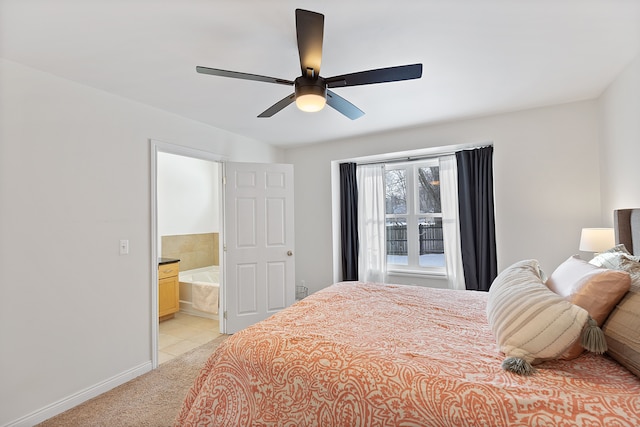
[124, 247]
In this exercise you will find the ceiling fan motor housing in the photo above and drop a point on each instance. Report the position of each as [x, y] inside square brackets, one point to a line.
[307, 86]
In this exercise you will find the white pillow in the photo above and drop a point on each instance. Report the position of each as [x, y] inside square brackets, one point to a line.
[530, 322]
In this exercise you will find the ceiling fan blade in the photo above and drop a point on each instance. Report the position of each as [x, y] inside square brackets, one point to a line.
[278, 106]
[310, 32]
[380, 75]
[244, 76]
[343, 106]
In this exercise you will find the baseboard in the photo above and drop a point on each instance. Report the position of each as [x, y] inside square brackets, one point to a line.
[69, 402]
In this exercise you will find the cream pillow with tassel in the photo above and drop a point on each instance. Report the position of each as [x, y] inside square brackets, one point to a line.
[531, 323]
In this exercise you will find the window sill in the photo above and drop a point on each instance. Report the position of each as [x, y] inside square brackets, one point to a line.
[417, 273]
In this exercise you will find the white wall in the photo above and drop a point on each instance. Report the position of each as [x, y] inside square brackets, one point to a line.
[620, 142]
[188, 196]
[546, 177]
[74, 180]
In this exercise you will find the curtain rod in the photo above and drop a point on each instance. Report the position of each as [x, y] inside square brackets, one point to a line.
[417, 158]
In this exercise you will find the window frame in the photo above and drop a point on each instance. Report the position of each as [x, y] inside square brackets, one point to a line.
[412, 218]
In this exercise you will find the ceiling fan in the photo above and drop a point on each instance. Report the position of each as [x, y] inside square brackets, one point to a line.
[311, 90]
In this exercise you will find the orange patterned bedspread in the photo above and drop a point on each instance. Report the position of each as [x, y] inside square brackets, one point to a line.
[358, 354]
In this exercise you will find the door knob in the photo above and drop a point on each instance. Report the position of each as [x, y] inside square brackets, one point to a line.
[289, 253]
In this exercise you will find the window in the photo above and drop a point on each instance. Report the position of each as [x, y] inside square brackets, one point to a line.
[413, 216]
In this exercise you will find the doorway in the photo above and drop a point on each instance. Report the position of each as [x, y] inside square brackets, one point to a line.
[186, 226]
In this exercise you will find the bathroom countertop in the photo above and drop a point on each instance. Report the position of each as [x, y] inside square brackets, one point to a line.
[162, 261]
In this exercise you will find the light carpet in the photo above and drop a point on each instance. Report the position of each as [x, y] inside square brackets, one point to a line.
[153, 399]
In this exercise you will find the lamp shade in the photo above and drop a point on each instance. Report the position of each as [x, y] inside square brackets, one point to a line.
[596, 239]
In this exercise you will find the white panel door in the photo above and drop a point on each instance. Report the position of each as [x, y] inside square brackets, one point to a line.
[258, 257]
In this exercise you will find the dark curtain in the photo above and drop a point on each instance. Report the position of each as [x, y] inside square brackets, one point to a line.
[477, 224]
[349, 220]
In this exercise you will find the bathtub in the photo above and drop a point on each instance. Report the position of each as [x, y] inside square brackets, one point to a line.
[199, 283]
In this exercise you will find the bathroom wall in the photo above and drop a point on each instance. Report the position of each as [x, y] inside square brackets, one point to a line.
[188, 210]
[193, 250]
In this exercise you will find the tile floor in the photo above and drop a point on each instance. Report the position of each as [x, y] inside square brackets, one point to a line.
[183, 333]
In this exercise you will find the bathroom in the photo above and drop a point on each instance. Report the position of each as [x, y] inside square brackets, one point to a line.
[189, 222]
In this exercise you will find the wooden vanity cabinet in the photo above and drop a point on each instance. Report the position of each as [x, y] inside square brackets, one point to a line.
[168, 290]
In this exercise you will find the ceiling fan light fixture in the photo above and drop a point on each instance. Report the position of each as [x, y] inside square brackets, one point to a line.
[310, 103]
[311, 94]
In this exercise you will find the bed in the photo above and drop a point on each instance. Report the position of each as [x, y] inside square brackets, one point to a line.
[364, 354]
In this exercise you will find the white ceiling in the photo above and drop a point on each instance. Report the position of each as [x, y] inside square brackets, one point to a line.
[479, 56]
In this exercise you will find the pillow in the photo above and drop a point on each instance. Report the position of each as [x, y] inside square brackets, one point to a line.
[611, 258]
[622, 328]
[531, 323]
[595, 289]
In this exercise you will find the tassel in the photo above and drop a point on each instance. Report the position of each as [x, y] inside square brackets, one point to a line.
[593, 338]
[517, 366]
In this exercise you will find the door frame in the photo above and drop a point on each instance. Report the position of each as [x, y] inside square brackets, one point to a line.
[165, 147]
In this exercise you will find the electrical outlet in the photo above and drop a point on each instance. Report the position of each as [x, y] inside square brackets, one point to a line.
[124, 247]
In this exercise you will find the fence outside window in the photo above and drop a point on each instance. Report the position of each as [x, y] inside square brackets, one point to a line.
[430, 239]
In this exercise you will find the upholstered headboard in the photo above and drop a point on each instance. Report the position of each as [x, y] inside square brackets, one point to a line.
[627, 228]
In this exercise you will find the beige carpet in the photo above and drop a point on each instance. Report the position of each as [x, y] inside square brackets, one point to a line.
[153, 399]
